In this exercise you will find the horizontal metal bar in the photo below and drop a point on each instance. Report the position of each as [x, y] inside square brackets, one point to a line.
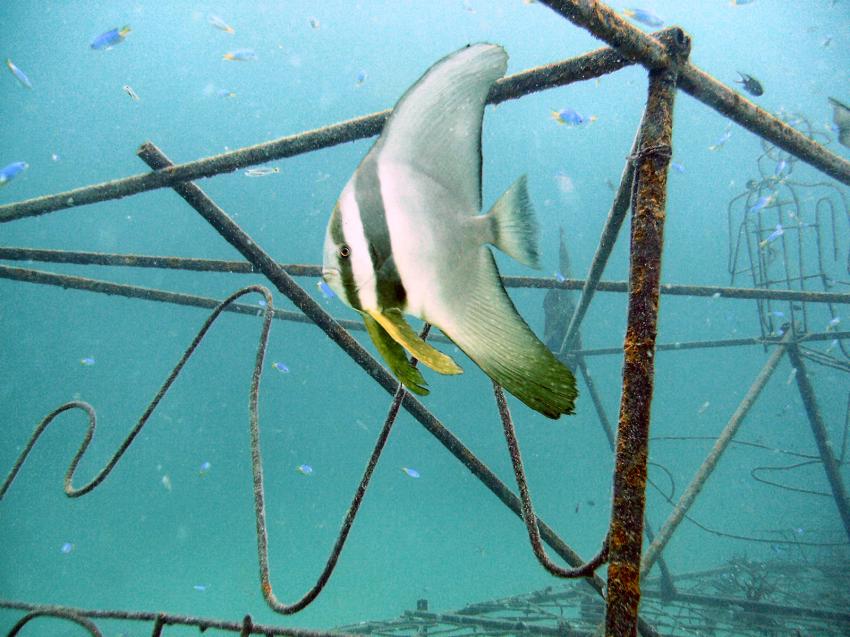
[243, 267]
[583, 67]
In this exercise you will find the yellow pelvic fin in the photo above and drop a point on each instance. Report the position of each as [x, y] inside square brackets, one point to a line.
[395, 357]
[395, 325]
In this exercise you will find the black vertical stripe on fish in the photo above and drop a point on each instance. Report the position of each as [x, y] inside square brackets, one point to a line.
[389, 289]
[346, 272]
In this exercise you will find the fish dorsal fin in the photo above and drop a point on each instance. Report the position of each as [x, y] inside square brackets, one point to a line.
[436, 125]
[484, 323]
[393, 322]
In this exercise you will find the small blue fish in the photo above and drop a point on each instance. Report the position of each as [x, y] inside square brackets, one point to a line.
[560, 278]
[777, 313]
[304, 469]
[220, 24]
[780, 168]
[67, 547]
[568, 116]
[677, 167]
[413, 473]
[11, 171]
[644, 16]
[200, 587]
[262, 303]
[241, 55]
[281, 367]
[19, 74]
[763, 202]
[722, 141]
[740, 2]
[773, 236]
[325, 289]
[106, 41]
[204, 468]
[88, 361]
[833, 323]
[225, 92]
[361, 77]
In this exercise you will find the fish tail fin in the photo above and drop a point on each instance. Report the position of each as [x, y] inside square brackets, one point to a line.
[513, 228]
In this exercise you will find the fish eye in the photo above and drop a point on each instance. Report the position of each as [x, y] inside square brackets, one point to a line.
[344, 251]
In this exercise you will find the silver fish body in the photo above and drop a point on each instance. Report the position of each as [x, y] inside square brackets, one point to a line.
[407, 237]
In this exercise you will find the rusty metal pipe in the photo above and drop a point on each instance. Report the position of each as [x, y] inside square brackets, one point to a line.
[830, 465]
[647, 240]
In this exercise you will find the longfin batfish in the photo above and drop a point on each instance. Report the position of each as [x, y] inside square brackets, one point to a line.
[406, 237]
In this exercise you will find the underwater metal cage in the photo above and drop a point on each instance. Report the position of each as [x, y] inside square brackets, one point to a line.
[741, 597]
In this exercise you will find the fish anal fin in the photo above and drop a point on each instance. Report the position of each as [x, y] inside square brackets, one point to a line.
[395, 357]
[392, 321]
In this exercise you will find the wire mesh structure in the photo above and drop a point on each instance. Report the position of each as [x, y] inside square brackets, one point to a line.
[750, 593]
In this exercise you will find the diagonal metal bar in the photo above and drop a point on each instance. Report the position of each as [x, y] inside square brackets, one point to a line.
[830, 465]
[647, 240]
[713, 457]
[287, 286]
[634, 44]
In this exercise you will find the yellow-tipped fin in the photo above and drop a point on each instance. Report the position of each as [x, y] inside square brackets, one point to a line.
[394, 355]
[395, 325]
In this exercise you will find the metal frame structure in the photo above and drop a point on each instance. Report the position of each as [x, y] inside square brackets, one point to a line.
[642, 188]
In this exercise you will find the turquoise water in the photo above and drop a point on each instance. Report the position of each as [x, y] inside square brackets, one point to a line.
[141, 542]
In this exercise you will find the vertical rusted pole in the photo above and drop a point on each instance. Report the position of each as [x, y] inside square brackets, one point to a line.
[648, 201]
[807, 393]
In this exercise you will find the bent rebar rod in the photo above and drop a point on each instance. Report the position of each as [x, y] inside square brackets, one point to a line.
[230, 231]
[706, 469]
[647, 240]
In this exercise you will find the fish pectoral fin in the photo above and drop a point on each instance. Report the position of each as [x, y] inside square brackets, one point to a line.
[491, 332]
[395, 357]
[394, 324]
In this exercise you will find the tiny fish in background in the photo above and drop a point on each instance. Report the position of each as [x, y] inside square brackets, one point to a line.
[281, 367]
[241, 55]
[88, 361]
[841, 119]
[677, 167]
[361, 77]
[262, 171]
[220, 24]
[304, 469]
[19, 74]
[166, 482]
[314, 23]
[204, 469]
[722, 140]
[644, 16]
[412, 473]
[703, 407]
[751, 84]
[325, 289]
[773, 236]
[568, 116]
[200, 587]
[129, 91]
[762, 202]
[833, 324]
[8, 173]
[107, 40]
[225, 92]
[67, 547]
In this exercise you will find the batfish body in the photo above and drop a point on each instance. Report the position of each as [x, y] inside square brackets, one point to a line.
[406, 237]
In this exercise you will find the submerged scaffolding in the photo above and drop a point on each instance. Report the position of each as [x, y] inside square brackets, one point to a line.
[643, 187]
